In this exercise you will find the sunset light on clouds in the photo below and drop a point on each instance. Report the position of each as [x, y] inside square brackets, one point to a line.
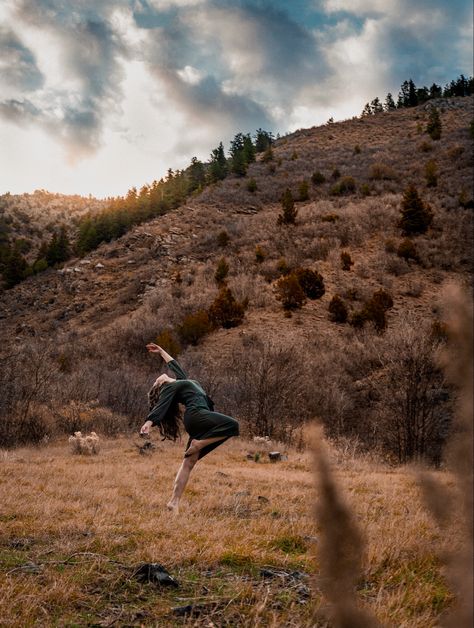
[99, 96]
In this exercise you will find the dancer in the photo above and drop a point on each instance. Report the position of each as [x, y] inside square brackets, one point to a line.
[207, 429]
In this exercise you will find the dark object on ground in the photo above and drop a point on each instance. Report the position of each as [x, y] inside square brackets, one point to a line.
[274, 456]
[271, 572]
[195, 609]
[147, 448]
[154, 572]
[263, 499]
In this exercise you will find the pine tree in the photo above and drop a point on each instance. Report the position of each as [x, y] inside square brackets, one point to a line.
[407, 96]
[196, 175]
[248, 150]
[218, 164]
[389, 103]
[263, 140]
[367, 110]
[436, 91]
[15, 267]
[63, 246]
[416, 215]
[289, 212]
[376, 106]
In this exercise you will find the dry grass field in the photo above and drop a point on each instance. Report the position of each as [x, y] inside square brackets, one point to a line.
[74, 527]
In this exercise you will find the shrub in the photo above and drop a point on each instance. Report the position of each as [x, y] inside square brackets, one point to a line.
[346, 261]
[381, 172]
[283, 267]
[337, 310]
[311, 282]
[455, 151]
[317, 178]
[433, 128]
[267, 155]
[376, 308]
[329, 218]
[252, 186]
[358, 319]
[390, 246]
[357, 149]
[303, 191]
[222, 271]
[226, 311]
[382, 298]
[416, 215]
[260, 254]
[288, 215]
[431, 174]
[365, 189]
[223, 238]
[465, 201]
[374, 311]
[84, 445]
[169, 342]
[194, 327]
[290, 292]
[346, 185]
[407, 250]
[336, 173]
[294, 155]
[425, 147]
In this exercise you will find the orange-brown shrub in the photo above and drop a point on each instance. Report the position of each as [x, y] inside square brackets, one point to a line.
[194, 327]
[290, 292]
[226, 311]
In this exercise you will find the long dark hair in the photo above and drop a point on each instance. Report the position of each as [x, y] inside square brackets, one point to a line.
[169, 426]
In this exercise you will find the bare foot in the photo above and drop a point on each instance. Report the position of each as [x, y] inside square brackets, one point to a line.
[173, 506]
[192, 449]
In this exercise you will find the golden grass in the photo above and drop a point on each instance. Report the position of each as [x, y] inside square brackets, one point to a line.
[73, 527]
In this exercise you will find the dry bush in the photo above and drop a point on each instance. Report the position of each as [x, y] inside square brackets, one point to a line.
[27, 381]
[78, 416]
[454, 509]
[382, 172]
[260, 388]
[252, 288]
[411, 412]
[84, 445]
[340, 548]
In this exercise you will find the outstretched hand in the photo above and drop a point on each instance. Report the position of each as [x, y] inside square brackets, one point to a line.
[152, 348]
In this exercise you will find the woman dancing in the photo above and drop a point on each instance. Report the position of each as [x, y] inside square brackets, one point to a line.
[207, 429]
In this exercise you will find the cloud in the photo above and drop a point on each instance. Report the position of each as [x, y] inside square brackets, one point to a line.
[171, 78]
[89, 51]
[18, 67]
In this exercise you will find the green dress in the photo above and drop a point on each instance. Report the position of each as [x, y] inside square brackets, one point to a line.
[200, 420]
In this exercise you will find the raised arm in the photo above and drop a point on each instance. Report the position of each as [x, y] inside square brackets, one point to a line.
[152, 348]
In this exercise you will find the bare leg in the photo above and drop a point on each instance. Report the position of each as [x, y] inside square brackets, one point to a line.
[197, 445]
[181, 480]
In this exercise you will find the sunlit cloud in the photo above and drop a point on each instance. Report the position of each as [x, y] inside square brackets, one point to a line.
[115, 92]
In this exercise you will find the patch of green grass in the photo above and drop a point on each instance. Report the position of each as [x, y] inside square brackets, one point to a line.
[290, 544]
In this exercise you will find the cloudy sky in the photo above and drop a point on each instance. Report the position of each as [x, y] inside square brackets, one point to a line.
[99, 95]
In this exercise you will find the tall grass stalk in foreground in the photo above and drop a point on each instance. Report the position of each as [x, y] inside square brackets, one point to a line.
[455, 508]
[341, 547]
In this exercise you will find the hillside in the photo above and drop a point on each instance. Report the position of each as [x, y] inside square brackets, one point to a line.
[97, 313]
[35, 216]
